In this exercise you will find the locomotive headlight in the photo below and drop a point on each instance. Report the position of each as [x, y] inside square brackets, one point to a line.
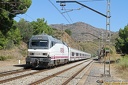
[30, 53]
[45, 54]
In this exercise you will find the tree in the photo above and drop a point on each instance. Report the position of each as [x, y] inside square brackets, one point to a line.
[41, 26]
[8, 10]
[122, 42]
[68, 32]
[25, 28]
[13, 37]
[2, 40]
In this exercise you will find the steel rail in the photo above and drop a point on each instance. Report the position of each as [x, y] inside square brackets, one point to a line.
[53, 75]
[69, 79]
[13, 72]
[21, 76]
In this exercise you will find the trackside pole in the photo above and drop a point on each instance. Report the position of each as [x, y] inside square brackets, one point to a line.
[107, 16]
[108, 37]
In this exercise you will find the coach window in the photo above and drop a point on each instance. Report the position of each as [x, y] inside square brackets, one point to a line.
[72, 53]
[77, 54]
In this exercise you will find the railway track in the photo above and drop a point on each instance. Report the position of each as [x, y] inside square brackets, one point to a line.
[21, 76]
[43, 79]
[13, 72]
[54, 75]
[73, 76]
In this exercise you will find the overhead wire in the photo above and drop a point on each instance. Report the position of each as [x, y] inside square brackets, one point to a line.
[73, 9]
[69, 10]
[60, 12]
[90, 0]
[68, 15]
[29, 17]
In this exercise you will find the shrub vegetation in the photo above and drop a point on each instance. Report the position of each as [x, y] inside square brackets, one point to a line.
[123, 64]
[2, 58]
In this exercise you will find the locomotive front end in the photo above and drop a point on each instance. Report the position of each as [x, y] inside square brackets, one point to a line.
[37, 58]
[38, 52]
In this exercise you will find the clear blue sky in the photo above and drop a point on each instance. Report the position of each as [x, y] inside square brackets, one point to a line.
[44, 9]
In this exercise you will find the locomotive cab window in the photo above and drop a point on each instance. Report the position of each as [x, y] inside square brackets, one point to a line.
[52, 44]
[39, 43]
[44, 43]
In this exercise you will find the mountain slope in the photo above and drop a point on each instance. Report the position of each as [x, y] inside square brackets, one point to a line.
[85, 36]
[81, 31]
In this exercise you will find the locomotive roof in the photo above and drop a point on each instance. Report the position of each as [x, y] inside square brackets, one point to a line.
[45, 37]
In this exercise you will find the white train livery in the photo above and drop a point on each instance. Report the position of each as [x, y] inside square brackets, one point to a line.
[45, 51]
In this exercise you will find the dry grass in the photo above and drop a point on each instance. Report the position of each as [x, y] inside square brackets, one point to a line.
[11, 62]
[121, 67]
[15, 53]
[123, 73]
[90, 46]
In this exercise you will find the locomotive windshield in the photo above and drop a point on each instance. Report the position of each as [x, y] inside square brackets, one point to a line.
[39, 44]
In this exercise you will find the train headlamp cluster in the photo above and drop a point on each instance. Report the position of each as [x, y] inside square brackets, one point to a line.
[37, 53]
[31, 53]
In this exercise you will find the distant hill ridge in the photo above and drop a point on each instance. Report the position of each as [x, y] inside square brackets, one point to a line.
[81, 31]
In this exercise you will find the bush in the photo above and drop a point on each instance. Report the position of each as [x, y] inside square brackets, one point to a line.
[124, 62]
[9, 44]
[68, 32]
[3, 58]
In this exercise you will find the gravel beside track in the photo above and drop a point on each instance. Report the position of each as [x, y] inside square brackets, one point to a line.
[97, 77]
[10, 65]
[9, 68]
[64, 76]
[94, 74]
[15, 75]
[29, 79]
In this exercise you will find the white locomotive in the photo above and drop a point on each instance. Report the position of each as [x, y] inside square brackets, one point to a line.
[45, 51]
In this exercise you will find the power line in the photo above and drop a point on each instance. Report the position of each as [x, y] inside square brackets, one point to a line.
[69, 10]
[90, 0]
[68, 15]
[19, 17]
[29, 17]
[63, 2]
[59, 11]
